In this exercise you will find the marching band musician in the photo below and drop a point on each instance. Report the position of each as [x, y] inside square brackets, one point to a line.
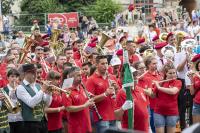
[77, 105]
[159, 55]
[195, 80]
[32, 98]
[152, 74]
[14, 119]
[131, 48]
[60, 60]
[85, 71]
[4, 125]
[166, 115]
[55, 108]
[99, 85]
[141, 118]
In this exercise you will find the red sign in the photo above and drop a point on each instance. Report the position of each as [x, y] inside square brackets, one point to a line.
[71, 19]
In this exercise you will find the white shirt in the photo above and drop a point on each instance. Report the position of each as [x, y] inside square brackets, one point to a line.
[13, 117]
[23, 95]
[187, 79]
[160, 64]
[179, 58]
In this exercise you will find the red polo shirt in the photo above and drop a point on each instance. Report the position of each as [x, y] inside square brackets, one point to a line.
[141, 117]
[78, 122]
[76, 55]
[134, 58]
[3, 77]
[152, 77]
[167, 104]
[52, 117]
[144, 84]
[97, 85]
[196, 81]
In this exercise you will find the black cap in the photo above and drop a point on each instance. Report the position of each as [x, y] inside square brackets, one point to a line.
[29, 68]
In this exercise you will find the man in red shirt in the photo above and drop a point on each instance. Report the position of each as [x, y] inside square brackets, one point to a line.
[131, 48]
[77, 105]
[61, 59]
[85, 71]
[69, 57]
[141, 117]
[99, 85]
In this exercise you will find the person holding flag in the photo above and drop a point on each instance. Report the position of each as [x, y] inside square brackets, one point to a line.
[131, 105]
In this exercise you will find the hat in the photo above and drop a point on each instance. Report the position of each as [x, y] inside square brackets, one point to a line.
[115, 61]
[29, 68]
[131, 7]
[90, 48]
[121, 38]
[44, 43]
[45, 36]
[94, 39]
[196, 58]
[155, 38]
[169, 35]
[140, 41]
[119, 52]
[160, 45]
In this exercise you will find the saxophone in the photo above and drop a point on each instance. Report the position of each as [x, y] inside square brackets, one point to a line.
[9, 104]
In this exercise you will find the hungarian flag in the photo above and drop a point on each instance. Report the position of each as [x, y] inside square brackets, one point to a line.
[127, 85]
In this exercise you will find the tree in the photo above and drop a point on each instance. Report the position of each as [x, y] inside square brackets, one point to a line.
[6, 6]
[103, 10]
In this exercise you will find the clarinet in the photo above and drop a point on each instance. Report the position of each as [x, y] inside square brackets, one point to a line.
[94, 106]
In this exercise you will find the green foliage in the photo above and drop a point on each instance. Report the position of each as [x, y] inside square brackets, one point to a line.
[103, 10]
[6, 6]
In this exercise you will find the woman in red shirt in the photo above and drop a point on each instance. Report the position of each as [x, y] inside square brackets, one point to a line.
[166, 109]
[54, 110]
[195, 79]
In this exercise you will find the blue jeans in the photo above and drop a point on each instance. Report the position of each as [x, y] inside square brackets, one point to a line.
[152, 120]
[101, 126]
[164, 120]
[196, 109]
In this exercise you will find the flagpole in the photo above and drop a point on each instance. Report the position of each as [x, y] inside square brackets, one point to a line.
[128, 83]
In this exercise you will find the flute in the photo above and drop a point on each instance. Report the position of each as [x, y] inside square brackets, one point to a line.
[89, 97]
[162, 81]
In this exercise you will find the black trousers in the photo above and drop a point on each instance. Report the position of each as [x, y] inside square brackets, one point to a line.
[35, 127]
[16, 127]
[184, 102]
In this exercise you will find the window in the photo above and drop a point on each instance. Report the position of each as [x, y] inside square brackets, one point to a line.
[148, 4]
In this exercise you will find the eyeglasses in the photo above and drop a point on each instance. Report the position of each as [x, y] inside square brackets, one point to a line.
[40, 49]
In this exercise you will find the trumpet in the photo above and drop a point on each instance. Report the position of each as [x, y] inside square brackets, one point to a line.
[52, 87]
[9, 104]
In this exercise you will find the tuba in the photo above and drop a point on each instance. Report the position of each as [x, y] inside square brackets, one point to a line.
[100, 46]
[179, 38]
[56, 45]
[9, 104]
